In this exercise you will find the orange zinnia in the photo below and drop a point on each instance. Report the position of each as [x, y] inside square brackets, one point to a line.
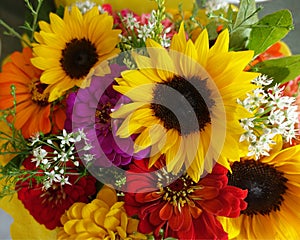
[33, 111]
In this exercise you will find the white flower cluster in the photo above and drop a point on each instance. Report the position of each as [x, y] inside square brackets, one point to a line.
[53, 154]
[274, 114]
[86, 5]
[144, 31]
[213, 5]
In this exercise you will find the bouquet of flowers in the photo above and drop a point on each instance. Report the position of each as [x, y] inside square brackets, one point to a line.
[179, 121]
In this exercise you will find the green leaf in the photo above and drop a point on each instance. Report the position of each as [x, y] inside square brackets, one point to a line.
[269, 30]
[247, 16]
[281, 69]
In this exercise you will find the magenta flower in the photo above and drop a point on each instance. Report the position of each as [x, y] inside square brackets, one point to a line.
[89, 109]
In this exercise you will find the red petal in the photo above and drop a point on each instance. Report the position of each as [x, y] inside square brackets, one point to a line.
[166, 212]
[176, 221]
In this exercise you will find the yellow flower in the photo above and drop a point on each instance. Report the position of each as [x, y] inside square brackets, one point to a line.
[103, 218]
[24, 225]
[68, 49]
[138, 6]
[184, 102]
[273, 185]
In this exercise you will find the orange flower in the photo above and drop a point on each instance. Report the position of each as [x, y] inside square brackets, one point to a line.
[277, 50]
[33, 111]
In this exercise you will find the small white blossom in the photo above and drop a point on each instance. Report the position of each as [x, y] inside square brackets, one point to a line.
[64, 180]
[130, 21]
[88, 157]
[273, 113]
[66, 138]
[214, 5]
[38, 155]
[35, 138]
[262, 80]
[53, 176]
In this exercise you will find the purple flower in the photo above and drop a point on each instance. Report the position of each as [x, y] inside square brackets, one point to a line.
[89, 109]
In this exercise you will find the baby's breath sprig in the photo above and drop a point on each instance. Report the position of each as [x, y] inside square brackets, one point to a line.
[159, 15]
[55, 158]
[273, 114]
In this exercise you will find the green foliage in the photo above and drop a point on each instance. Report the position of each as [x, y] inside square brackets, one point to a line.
[281, 70]
[241, 27]
[269, 30]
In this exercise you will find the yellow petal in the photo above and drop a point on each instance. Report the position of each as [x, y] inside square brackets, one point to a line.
[70, 226]
[149, 137]
[88, 210]
[160, 57]
[75, 210]
[24, 225]
[178, 42]
[141, 93]
[108, 195]
[221, 45]
[111, 223]
[127, 109]
[99, 216]
[202, 47]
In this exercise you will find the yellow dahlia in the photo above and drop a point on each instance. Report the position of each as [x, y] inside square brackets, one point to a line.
[68, 49]
[103, 218]
[184, 102]
[273, 185]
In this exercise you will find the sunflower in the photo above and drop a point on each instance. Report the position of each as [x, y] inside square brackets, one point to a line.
[184, 102]
[33, 111]
[273, 185]
[68, 49]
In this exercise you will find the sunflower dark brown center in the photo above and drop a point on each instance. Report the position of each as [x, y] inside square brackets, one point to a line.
[188, 111]
[37, 93]
[265, 184]
[103, 112]
[78, 57]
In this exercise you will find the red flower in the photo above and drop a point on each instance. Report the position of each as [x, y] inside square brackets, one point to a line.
[184, 209]
[47, 206]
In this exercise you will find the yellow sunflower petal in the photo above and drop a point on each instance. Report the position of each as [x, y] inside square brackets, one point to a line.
[149, 137]
[178, 41]
[141, 93]
[163, 62]
[221, 45]
[202, 47]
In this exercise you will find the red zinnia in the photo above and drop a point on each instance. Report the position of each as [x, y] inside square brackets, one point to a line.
[184, 209]
[47, 206]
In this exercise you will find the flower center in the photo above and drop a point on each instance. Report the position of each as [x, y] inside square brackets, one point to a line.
[37, 93]
[177, 192]
[55, 195]
[103, 112]
[265, 184]
[78, 57]
[179, 112]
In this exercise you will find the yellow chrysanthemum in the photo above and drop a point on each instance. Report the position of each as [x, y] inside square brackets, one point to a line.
[68, 49]
[273, 185]
[184, 102]
[103, 218]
